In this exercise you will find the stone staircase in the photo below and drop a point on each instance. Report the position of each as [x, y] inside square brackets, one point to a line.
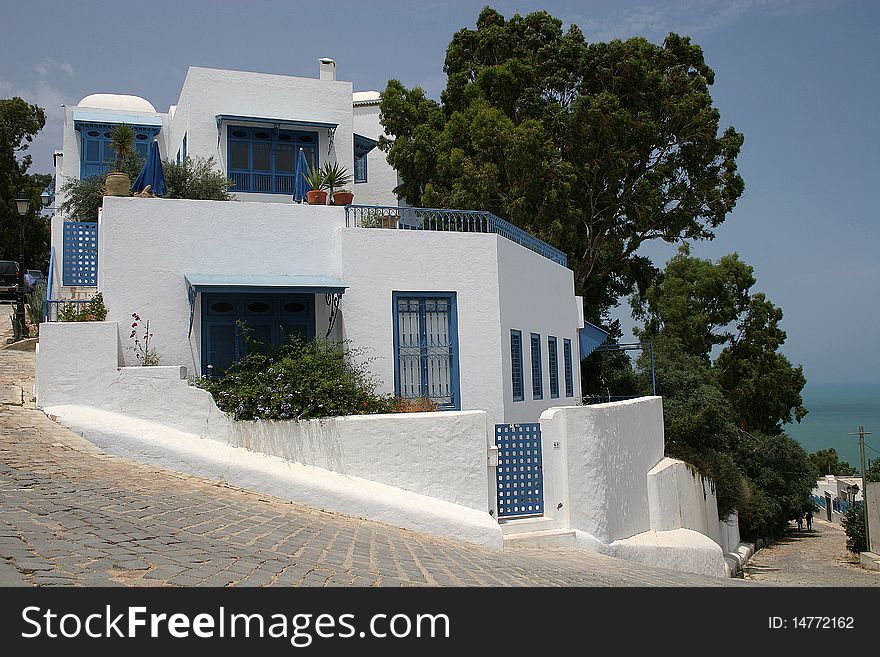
[535, 532]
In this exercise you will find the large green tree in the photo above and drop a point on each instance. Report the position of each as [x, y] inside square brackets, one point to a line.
[827, 461]
[595, 147]
[704, 305]
[19, 124]
[726, 389]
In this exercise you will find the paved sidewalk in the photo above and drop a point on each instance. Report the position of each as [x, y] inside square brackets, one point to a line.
[71, 514]
[816, 558]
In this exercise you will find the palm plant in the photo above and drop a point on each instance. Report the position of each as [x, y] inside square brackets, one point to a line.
[335, 177]
[314, 178]
[122, 142]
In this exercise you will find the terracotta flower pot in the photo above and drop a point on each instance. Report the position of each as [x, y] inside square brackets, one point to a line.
[117, 184]
[316, 197]
[343, 198]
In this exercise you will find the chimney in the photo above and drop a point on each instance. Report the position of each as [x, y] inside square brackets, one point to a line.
[327, 68]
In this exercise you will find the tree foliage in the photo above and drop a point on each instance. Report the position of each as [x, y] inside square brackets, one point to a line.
[827, 461]
[196, 178]
[703, 305]
[725, 415]
[594, 147]
[19, 124]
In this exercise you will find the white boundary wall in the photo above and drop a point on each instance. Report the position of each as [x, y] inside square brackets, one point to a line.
[605, 477]
[422, 471]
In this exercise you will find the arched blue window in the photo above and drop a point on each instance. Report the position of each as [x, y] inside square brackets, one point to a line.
[98, 157]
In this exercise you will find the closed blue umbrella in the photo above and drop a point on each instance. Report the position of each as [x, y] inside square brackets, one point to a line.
[151, 174]
[300, 186]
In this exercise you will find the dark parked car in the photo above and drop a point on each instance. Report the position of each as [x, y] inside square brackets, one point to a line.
[8, 278]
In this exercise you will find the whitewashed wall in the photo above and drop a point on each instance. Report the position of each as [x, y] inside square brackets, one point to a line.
[381, 177]
[378, 262]
[147, 245]
[599, 472]
[536, 295]
[207, 92]
[424, 471]
[605, 477]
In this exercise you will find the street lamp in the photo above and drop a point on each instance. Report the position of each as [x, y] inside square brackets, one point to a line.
[23, 205]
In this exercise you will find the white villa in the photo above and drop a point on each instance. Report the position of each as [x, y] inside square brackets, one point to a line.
[468, 310]
[459, 306]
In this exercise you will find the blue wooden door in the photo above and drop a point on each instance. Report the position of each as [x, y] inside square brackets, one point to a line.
[268, 318]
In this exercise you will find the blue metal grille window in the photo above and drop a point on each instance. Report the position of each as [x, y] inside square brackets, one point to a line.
[425, 347]
[553, 360]
[516, 364]
[98, 157]
[519, 473]
[569, 374]
[537, 379]
[263, 160]
[360, 169]
[80, 256]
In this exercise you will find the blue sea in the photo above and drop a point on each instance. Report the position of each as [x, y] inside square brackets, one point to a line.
[835, 410]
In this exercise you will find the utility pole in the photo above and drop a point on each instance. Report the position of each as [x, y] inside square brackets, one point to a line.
[861, 434]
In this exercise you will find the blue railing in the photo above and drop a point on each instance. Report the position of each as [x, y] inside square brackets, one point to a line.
[457, 221]
[53, 307]
[49, 282]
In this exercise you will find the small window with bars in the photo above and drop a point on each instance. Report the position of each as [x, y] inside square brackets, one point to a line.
[569, 374]
[516, 364]
[537, 379]
[553, 362]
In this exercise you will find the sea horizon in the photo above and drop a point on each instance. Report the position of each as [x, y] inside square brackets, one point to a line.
[835, 411]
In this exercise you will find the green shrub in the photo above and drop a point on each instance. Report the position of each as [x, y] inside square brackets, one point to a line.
[298, 380]
[854, 525]
[93, 311]
[196, 178]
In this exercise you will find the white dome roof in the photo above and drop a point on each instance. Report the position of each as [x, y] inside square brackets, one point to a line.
[117, 102]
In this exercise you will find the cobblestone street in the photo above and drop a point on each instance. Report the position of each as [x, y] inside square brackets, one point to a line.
[817, 558]
[73, 515]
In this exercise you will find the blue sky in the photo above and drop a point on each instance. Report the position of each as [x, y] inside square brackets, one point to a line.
[801, 80]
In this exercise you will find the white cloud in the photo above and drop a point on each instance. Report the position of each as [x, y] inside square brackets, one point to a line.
[45, 67]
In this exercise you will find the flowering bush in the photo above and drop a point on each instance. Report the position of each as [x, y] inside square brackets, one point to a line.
[145, 354]
[93, 311]
[298, 380]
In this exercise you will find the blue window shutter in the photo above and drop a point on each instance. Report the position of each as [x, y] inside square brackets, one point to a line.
[553, 361]
[569, 374]
[537, 375]
[516, 364]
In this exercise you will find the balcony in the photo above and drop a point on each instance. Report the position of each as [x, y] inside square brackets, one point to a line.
[456, 221]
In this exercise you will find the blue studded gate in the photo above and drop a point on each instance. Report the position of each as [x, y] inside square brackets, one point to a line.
[520, 478]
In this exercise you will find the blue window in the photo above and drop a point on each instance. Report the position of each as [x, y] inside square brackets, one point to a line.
[426, 347]
[553, 360]
[569, 375]
[516, 364]
[537, 380]
[98, 157]
[263, 160]
[360, 168]
[183, 149]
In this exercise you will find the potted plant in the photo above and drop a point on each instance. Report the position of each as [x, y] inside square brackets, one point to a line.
[343, 197]
[122, 142]
[315, 179]
[335, 177]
